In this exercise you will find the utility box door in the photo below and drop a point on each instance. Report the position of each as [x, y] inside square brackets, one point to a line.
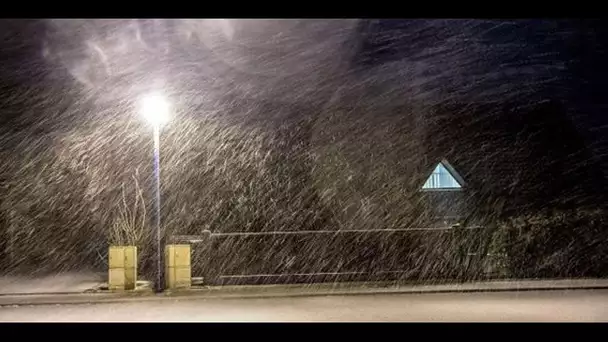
[178, 272]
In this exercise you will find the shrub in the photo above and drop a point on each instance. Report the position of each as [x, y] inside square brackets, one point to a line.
[554, 244]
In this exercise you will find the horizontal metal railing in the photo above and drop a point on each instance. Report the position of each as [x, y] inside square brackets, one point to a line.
[209, 234]
[213, 267]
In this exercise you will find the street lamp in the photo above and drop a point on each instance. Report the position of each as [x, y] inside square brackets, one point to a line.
[155, 109]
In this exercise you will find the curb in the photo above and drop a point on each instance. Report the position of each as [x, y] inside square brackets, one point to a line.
[254, 292]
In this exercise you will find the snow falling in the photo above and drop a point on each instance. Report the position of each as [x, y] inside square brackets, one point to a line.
[317, 133]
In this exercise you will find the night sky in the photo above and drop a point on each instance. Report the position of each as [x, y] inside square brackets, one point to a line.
[48, 65]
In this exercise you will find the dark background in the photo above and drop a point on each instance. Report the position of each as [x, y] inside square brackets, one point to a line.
[483, 60]
[251, 93]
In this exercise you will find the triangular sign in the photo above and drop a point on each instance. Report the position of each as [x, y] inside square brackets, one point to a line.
[442, 178]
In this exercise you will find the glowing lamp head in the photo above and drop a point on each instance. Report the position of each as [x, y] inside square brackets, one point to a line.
[155, 109]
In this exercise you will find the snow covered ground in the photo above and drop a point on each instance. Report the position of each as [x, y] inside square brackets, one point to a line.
[59, 283]
[529, 306]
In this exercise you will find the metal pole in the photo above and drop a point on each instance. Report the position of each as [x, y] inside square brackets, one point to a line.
[159, 253]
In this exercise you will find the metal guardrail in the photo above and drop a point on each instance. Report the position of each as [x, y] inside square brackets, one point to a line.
[208, 238]
[208, 234]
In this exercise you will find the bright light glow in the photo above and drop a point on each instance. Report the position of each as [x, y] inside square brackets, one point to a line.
[155, 109]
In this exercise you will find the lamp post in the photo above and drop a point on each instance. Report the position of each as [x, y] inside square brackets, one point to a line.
[155, 109]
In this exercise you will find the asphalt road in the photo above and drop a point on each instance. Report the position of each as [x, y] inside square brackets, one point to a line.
[533, 306]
